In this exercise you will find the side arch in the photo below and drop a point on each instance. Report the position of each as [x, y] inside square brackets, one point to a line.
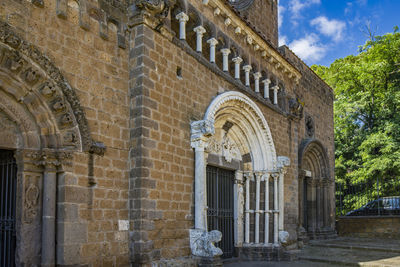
[36, 96]
[316, 190]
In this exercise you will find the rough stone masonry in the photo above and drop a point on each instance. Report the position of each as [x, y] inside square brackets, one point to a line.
[143, 132]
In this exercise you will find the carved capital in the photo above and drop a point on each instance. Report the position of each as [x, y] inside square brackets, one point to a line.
[225, 51]
[200, 129]
[247, 68]
[283, 162]
[151, 12]
[275, 88]
[237, 60]
[200, 30]
[212, 42]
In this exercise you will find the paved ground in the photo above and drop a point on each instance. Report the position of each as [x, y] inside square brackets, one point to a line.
[341, 252]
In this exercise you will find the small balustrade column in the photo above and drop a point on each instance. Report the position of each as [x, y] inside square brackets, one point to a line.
[276, 89]
[325, 184]
[247, 69]
[199, 30]
[247, 211]
[319, 204]
[225, 59]
[276, 207]
[267, 210]
[213, 43]
[266, 82]
[257, 77]
[183, 18]
[237, 61]
[257, 211]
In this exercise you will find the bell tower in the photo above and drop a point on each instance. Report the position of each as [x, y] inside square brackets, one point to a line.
[262, 15]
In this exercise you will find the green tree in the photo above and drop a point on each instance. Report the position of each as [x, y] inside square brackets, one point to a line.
[367, 114]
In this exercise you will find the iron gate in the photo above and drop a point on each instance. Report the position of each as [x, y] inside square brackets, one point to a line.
[8, 175]
[220, 207]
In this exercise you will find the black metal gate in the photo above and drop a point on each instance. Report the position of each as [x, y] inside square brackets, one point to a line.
[8, 178]
[220, 206]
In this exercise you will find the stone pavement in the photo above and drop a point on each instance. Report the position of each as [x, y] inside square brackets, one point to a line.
[342, 251]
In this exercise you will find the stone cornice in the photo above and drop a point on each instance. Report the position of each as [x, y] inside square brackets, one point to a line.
[253, 39]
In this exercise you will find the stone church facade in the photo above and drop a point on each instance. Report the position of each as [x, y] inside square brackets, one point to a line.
[141, 133]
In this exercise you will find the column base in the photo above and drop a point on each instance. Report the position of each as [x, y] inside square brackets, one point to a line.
[252, 253]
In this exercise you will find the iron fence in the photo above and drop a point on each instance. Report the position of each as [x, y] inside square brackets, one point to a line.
[380, 197]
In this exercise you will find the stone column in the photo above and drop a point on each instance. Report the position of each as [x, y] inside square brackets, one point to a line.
[257, 211]
[247, 69]
[213, 43]
[199, 30]
[276, 89]
[183, 18]
[325, 184]
[266, 82]
[267, 210]
[238, 209]
[200, 131]
[311, 205]
[319, 204]
[247, 210]
[257, 77]
[275, 176]
[283, 162]
[237, 61]
[225, 59]
[49, 211]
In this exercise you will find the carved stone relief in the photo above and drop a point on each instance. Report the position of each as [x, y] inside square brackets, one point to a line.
[45, 80]
[31, 198]
[226, 148]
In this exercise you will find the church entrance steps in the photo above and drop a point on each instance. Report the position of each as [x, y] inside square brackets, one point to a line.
[353, 252]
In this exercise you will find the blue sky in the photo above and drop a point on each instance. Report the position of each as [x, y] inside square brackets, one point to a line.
[320, 31]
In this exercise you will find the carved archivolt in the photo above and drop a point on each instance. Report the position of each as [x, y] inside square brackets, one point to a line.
[35, 83]
[250, 133]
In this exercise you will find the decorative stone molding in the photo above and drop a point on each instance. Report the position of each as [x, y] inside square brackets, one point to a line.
[226, 148]
[255, 117]
[296, 107]
[35, 70]
[254, 40]
[151, 12]
[283, 237]
[202, 243]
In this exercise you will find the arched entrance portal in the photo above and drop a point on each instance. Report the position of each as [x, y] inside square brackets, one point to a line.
[234, 137]
[316, 205]
[42, 125]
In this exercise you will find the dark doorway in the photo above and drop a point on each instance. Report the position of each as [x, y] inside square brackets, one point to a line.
[8, 182]
[220, 207]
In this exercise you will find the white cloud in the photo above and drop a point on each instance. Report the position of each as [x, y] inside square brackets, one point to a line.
[308, 48]
[281, 10]
[296, 6]
[283, 40]
[331, 28]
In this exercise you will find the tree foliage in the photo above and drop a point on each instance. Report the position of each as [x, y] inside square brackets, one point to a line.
[367, 111]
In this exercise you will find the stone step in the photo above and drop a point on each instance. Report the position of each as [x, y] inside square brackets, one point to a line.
[350, 257]
[386, 245]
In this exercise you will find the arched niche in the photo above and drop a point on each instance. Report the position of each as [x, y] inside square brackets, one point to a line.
[316, 192]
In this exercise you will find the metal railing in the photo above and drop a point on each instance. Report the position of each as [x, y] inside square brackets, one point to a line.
[371, 198]
[8, 175]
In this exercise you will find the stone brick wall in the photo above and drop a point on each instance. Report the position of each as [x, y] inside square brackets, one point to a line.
[263, 16]
[93, 193]
[371, 227]
[140, 106]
